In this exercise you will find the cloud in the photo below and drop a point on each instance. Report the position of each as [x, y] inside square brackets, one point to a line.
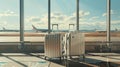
[39, 22]
[33, 19]
[112, 12]
[115, 22]
[56, 14]
[94, 18]
[104, 14]
[71, 18]
[82, 13]
[8, 13]
[3, 22]
[59, 18]
[8, 25]
[64, 20]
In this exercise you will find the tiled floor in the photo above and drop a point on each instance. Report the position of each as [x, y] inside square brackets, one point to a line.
[35, 60]
[24, 60]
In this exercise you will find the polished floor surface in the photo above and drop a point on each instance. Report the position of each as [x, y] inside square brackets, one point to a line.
[37, 60]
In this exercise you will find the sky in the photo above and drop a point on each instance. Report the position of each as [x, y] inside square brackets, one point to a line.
[63, 12]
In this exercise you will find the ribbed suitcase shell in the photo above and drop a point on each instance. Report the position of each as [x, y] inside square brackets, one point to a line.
[53, 45]
[75, 44]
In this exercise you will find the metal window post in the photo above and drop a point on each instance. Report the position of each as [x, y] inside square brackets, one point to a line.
[108, 22]
[49, 12]
[77, 14]
[22, 22]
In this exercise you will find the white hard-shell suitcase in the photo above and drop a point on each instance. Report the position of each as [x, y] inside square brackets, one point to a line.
[74, 44]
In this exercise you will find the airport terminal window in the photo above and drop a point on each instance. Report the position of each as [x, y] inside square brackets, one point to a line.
[9, 21]
[63, 13]
[93, 18]
[115, 20]
[36, 19]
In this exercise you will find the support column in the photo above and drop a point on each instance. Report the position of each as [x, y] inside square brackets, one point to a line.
[77, 14]
[22, 22]
[49, 13]
[108, 22]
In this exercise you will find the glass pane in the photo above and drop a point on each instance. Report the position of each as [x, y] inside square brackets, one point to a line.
[92, 15]
[115, 25]
[63, 13]
[9, 20]
[115, 20]
[36, 19]
[93, 23]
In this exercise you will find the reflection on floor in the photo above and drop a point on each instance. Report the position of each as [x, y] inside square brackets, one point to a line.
[24, 60]
[37, 60]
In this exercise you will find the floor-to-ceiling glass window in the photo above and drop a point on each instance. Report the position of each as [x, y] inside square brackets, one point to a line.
[36, 19]
[115, 20]
[9, 21]
[63, 15]
[115, 25]
[93, 22]
[93, 15]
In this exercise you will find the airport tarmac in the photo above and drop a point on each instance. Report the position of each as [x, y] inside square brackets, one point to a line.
[39, 37]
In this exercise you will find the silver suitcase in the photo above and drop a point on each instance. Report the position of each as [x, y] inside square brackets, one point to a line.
[53, 45]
